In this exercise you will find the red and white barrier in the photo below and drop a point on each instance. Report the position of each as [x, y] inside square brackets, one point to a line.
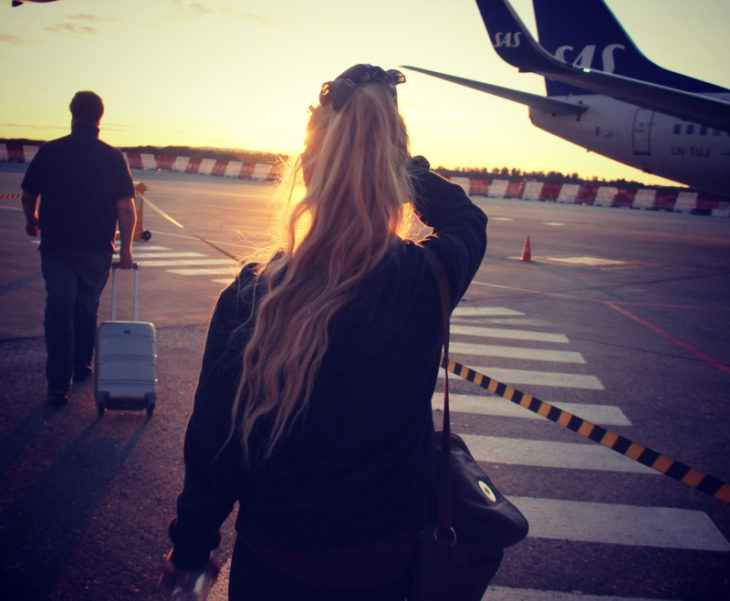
[148, 161]
[645, 199]
[605, 196]
[180, 164]
[478, 187]
[206, 166]
[533, 190]
[233, 168]
[498, 188]
[568, 193]
[586, 194]
[686, 201]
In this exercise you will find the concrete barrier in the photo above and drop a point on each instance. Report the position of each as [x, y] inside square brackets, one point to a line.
[568, 193]
[532, 190]
[498, 188]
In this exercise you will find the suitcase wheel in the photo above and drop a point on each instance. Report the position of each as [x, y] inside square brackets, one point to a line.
[151, 398]
[101, 403]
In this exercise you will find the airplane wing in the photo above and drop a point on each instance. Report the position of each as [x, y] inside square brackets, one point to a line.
[549, 105]
[515, 45]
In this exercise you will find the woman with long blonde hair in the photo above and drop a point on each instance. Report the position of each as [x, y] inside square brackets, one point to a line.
[313, 406]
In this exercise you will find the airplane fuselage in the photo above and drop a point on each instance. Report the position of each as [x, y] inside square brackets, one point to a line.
[648, 140]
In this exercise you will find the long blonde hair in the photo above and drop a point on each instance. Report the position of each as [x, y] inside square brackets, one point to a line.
[354, 166]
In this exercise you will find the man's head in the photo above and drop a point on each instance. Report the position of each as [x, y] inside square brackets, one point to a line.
[86, 107]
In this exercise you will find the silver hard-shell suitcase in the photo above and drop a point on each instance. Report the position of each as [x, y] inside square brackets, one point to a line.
[125, 374]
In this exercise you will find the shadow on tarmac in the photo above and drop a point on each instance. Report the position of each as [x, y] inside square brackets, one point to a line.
[41, 531]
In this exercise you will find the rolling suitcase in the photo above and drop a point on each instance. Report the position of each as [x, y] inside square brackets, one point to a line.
[125, 374]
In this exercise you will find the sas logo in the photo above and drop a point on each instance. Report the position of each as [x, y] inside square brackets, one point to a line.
[511, 39]
[585, 58]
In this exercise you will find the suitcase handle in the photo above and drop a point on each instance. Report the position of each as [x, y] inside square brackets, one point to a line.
[115, 266]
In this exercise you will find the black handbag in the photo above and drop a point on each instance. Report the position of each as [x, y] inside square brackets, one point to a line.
[461, 547]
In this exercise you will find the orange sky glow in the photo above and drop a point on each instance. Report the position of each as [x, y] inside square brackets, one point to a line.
[232, 74]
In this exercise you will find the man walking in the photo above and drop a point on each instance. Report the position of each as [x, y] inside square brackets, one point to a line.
[85, 189]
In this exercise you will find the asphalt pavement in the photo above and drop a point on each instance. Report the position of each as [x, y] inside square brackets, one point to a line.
[621, 317]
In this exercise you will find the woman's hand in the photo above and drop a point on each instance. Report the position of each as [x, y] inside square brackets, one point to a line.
[190, 585]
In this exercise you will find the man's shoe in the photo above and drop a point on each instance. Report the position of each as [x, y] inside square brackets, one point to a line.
[81, 374]
[57, 399]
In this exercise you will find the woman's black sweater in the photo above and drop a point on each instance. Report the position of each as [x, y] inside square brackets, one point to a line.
[356, 465]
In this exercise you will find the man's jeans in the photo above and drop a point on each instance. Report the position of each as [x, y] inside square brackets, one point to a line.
[74, 281]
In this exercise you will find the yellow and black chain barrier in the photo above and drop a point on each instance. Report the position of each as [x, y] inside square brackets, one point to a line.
[677, 470]
[10, 195]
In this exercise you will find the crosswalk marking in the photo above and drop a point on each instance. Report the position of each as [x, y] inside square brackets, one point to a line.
[541, 378]
[515, 352]
[166, 255]
[191, 263]
[605, 415]
[143, 247]
[464, 311]
[504, 593]
[508, 321]
[179, 262]
[203, 271]
[507, 333]
[546, 453]
[613, 523]
[560, 519]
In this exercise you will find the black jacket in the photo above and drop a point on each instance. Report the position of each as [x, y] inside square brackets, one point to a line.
[356, 466]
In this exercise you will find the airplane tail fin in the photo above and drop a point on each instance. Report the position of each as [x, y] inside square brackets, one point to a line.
[585, 33]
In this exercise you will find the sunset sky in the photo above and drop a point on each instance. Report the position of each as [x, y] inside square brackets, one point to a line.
[240, 74]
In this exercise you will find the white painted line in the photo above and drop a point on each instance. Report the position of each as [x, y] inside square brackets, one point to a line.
[507, 333]
[664, 527]
[145, 254]
[180, 262]
[145, 246]
[515, 321]
[483, 311]
[504, 593]
[546, 453]
[606, 415]
[232, 270]
[540, 378]
[592, 261]
[515, 352]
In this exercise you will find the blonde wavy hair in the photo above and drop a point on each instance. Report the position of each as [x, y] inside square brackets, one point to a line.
[354, 167]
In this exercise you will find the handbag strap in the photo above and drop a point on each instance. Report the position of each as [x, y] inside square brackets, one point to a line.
[444, 521]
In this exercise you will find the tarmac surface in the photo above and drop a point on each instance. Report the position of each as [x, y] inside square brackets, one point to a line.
[621, 315]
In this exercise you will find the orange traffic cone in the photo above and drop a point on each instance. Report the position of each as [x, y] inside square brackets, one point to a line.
[526, 253]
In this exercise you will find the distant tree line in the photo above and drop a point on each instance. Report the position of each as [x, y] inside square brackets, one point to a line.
[245, 156]
[540, 176]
